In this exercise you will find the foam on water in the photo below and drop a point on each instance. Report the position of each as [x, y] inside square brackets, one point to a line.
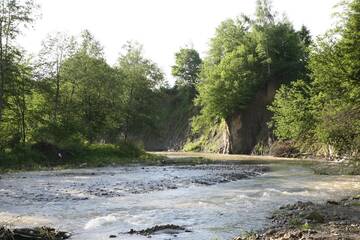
[94, 203]
[100, 221]
[24, 221]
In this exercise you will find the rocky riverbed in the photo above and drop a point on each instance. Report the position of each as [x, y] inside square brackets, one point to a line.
[38, 233]
[165, 202]
[333, 220]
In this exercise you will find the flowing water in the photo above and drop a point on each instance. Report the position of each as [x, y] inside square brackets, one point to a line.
[214, 201]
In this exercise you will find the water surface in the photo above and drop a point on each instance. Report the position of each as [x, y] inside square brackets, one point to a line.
[212, 201]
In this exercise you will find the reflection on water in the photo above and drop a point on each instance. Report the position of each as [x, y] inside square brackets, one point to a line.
[95, 203]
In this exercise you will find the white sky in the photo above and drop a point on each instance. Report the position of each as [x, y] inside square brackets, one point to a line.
[162, 26]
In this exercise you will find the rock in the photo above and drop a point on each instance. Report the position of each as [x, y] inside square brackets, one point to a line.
[167, 229]
[42, 233]
[270, 232]
[315, 216]
[332, 202]
[332, 220]
[311, 231]
[357, 197]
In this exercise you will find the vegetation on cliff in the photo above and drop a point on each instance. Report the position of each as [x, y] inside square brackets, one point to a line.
[245, 55]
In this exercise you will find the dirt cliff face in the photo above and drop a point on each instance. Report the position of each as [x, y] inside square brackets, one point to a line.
[240, 135]
[249, 127]
[172, 127]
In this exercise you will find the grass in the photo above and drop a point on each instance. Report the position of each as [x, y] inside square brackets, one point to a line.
[45, 157]
[95, 155]
[355, 204]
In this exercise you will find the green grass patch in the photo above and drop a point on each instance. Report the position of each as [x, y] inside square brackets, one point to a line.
[44, 156]
[355, 204]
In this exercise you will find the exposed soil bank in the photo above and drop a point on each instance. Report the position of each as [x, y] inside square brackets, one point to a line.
[305, 220]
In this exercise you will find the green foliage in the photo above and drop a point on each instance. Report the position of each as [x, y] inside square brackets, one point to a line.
[106, 154]
[72, 100]
[20, 157]
[210, 139]
[244, 55]
[187, 67]
[142, 80]
[177, 110]
[43, 156]
[81, 99]
[292, 112]
[69, 98]
[85, 94]
[326, 109]
[14, 72]
[250, 235]
[230, 85]
[296, 222]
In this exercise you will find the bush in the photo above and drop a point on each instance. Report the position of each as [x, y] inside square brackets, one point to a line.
[21, 157]
[44, 154]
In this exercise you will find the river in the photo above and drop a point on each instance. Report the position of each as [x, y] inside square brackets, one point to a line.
[213, 201]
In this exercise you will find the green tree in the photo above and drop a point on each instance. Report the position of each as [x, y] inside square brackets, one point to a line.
[244, 55]
[328, 112]
[142, 78]
[229, 35]
[87, 78]
[14, 15]
[293, 112]
[14, 72]
[335, 67]
[14, 127]
[55, 50]
[187, 67]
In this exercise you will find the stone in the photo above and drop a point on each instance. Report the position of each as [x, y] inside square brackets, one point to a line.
[332, 202]
[315, 216]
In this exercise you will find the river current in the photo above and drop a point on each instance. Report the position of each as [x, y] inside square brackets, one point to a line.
[213, 201]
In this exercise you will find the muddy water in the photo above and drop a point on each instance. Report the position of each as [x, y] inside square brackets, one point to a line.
[214, 202]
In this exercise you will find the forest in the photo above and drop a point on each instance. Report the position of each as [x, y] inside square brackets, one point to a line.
[256, 139]
[263, 88]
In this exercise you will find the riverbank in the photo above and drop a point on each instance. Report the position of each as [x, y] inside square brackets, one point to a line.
[235, 158]
[50, 157]
[320, 166]
[45, 156]
[332, 220]
[212, 201]
[39, 233]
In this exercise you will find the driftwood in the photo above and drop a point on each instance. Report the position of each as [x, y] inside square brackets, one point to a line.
[42, 233]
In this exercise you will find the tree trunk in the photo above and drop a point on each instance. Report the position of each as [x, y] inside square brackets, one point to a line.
[57, 96]
[2, 73]
[127, 121]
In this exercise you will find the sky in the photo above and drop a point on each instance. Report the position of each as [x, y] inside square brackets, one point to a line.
[161, 26]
